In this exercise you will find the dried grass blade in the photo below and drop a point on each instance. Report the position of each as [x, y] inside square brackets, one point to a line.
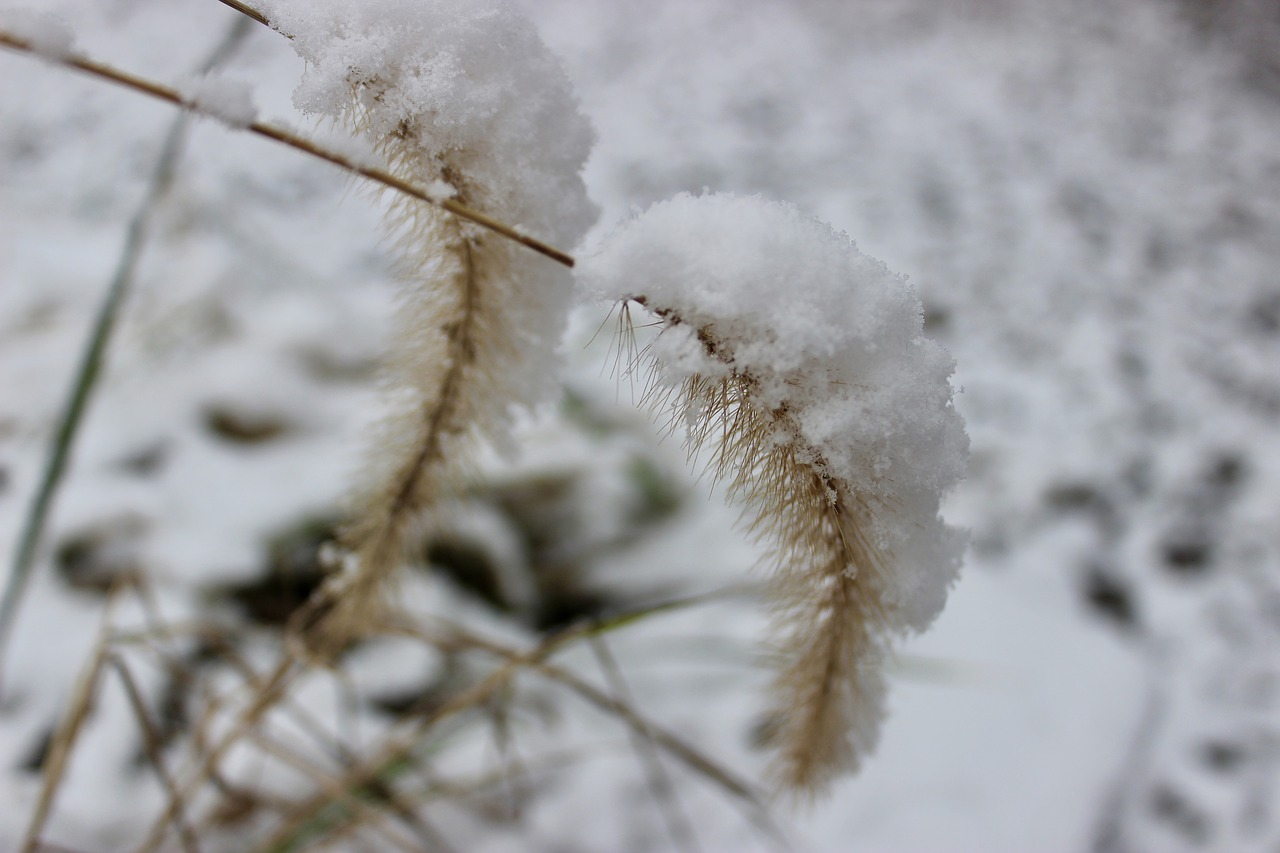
[151, 745]
[67, 733]
[678, 825]
[93, 357]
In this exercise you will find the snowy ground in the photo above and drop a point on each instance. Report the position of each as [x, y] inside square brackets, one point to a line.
[1087, 196]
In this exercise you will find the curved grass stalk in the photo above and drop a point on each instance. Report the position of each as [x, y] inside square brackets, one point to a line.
[801, 364]
[419, 452]
[827, 579]
[478, 326]
[459, 334]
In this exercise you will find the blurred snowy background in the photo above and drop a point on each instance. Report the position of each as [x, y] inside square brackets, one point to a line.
[1086, 194]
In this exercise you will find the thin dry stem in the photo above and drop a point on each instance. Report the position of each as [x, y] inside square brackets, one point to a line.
[369, 770]
[300, 143]
[742, 792]
[151, 746]
[678, 825]
[365, 814]
[247, 10]
[397, 746]
[60, 750]
[68, 731]
[266, 696]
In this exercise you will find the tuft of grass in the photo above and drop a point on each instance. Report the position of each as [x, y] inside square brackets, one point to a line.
[827, 579]
[827, 585]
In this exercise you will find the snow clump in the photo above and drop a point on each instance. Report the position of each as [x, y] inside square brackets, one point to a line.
[469, 80]
[830, 337]
[227, 101]
[464, 99]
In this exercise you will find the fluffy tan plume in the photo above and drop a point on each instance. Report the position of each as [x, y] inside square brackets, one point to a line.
[801, 365]
[449, 342]
[825, 582]
[463, 100]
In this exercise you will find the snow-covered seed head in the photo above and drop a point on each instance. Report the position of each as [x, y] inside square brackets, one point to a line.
[804, 364]
[461, 98]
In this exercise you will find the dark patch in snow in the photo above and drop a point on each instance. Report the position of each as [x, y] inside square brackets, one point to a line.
[334, 366]
[1188, 554]
[567, 606]
[1264, 315]
[469, 566]
[94, 558]
[1072, 497]
[292, 572]
[1228, 471]
[1111, 597]
[425, 699]
[1089, 500]
[1190, 548]
[1090, 213]
[38, 753]
[1223, 756]
[938, 202]
[146, 461]
[1184, 817]
[238, 426]
[937, 319]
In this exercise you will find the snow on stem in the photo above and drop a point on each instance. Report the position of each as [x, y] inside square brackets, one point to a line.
[456, 97]
[803, 364]
[283, 135]
[464, 98]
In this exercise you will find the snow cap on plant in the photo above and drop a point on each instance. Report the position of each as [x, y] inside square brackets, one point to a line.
[804, 363]
[462, 98]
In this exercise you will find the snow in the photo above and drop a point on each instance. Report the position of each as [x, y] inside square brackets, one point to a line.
[826, 333]
[47, 35]
[1084, 196]
[228, 101]
[464, 98]
[472, 80]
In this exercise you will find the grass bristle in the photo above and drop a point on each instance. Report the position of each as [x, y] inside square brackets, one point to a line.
[826, 577]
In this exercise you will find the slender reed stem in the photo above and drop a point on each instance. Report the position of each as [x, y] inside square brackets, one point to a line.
[69, 728]
[679, 827]
[247, 10]
[299, 143]
[151, 746]
[91, 361]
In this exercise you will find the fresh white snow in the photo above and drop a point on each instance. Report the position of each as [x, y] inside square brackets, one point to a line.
[1086, 198]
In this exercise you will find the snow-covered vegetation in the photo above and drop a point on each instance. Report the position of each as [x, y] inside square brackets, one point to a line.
[803, 363]
[1085, 199]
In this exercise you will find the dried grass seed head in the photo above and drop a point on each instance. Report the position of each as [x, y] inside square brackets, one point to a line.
[461, 98]
[803, 363]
